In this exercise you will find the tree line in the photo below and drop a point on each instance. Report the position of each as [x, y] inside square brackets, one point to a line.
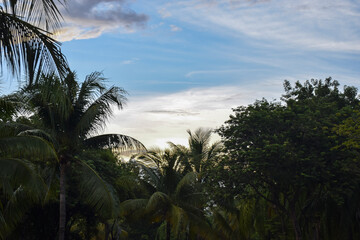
[285, 169]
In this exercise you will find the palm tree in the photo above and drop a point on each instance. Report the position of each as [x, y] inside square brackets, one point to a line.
[243, 219]
[176, 198]
[71, 114]
[200, 152]
[25, 42]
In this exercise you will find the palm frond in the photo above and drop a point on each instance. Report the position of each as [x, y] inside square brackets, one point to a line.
[151, 176]
[42, 13]
[199, 226]
[12, 129]
[118, 143]
[178, 219]
[27, 146]
[8, 108]
[199, 139]
[92, 85]
[27, 47]
[96, 191]
[158, 202]
[214, 149]
[19, 140]
[47, 98]
[21, 187]
[222, 226]
[96, 114]
[132, 206]
[38, 133]
[15, 209]
[188, 181]
[16, 172]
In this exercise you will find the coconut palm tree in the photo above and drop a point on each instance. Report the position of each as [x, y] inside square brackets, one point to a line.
[200, 152]
[25, 42]
[176, 199]
[71, 114]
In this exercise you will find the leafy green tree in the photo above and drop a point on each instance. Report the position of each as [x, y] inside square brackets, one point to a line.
[286, 153]
[25, 43]
[71, 114]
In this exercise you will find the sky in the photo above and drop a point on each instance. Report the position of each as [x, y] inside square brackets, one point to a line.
[186, 63]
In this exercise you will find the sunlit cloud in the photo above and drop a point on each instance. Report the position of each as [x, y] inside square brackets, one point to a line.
[155, 120]
[91, 18]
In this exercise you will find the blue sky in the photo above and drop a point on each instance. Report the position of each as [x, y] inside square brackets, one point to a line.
[186, 63]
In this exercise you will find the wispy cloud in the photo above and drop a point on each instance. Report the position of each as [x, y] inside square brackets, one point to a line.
[164, 13]
[129, 61]
[220, 71]
[178, 112]
[91, 18]
[175, 28]
[317, 24]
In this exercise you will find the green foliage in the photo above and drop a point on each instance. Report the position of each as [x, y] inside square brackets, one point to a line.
[286, 152]
[25, 43]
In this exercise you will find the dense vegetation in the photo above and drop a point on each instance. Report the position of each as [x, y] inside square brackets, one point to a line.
[283, 170]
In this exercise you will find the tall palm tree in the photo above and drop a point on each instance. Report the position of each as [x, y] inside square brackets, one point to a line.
[71, 114]
[25, 42]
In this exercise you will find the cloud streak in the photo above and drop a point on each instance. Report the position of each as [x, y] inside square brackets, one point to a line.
[313, 25]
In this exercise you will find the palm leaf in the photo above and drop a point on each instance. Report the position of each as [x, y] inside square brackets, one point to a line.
[27, 47]
[96, 191]
[95, 115]
[92, 85]
[27, 146]
[132, 206]
[158, 202]
[151, 176]
[42, 13]
[17, 172]
[118, 143]
[21, 187]
[38, 133]
[186, 185]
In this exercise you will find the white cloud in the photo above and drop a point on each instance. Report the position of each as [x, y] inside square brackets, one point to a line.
[155, 120]
[174, 28]
[316, 24]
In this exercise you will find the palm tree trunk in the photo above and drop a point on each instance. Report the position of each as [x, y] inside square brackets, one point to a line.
[168, 230]
[297, 230]
[62, 219]
[107, 231]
